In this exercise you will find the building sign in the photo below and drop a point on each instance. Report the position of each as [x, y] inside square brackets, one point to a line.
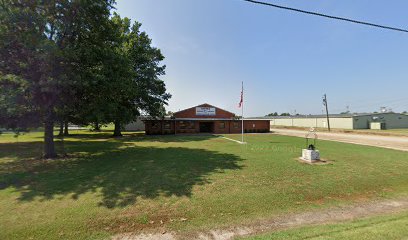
[205, 111]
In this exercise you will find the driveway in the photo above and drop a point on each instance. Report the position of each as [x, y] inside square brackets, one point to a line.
[397, 143]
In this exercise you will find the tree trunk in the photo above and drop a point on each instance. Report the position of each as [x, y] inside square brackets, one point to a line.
[49, 148]
[66, 133]
[117, 132]
[97, 128]
[61, 129]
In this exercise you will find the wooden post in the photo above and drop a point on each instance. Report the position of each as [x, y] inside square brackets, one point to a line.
[327, 111]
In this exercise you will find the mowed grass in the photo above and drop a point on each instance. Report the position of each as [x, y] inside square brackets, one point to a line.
[380, 227]
[108, 186]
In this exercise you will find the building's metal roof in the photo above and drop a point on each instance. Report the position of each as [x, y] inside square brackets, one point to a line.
[201, 119]
[146, 118]
[149, 118]
[350, 115]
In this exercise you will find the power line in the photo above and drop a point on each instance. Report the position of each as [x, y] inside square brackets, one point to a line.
[329, 16]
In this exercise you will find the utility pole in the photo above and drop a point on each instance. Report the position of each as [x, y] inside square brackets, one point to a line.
[327, 111]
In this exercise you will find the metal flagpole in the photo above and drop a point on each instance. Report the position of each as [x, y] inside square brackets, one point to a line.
[242, 114]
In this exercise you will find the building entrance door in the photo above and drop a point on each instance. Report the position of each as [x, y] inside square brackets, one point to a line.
[206, 127]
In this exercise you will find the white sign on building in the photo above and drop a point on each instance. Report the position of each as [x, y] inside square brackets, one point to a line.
[205, 111]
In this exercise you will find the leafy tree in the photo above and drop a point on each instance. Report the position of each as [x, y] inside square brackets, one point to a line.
[285, 114]
[272, 114]
[277, 114]
[68, 61]
[43, 47]
[130, 79]
[147, 92]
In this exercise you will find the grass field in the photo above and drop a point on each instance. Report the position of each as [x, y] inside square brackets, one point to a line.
[380, 227]
[107, 186]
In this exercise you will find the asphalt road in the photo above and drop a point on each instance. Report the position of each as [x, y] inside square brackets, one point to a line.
[392, 142]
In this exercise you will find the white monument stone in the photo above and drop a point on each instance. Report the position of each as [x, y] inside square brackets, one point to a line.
[310, 155]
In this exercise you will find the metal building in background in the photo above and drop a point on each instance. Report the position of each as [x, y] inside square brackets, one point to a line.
[344, 121]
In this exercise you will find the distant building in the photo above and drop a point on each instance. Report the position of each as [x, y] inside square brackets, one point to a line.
[137, 125]
[343, 121]
[204, 118]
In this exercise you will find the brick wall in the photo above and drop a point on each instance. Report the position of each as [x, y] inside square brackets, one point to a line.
[250, 126]
[158, 127]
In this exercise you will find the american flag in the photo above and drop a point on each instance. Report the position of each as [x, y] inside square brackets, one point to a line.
[242, 98]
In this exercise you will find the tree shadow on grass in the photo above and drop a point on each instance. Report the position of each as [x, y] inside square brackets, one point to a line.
[78, 143]
[170, 138]
[21, 150]
[137, 137]
[120, 172]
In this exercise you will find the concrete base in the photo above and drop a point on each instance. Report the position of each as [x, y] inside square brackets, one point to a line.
[310, 155]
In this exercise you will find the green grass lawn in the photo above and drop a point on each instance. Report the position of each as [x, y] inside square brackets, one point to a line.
[380, 227]
[187, 183]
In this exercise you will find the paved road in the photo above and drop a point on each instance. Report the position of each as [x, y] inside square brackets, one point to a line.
[397, 143]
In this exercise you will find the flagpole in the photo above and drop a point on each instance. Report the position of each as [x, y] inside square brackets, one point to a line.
[242, 114]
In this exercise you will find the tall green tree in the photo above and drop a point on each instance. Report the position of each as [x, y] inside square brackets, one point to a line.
[130, 82]
[146, 92]
[43, 48]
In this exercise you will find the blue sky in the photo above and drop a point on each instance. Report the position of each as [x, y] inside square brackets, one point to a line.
[286, 60]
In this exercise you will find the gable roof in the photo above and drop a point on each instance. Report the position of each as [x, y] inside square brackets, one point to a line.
[203, 105]
[346, 115]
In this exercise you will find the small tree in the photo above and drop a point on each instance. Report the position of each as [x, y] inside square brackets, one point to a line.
[285, 114]
[272, 114]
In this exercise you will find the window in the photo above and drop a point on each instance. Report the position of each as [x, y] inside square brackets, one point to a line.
[155, 125]
[191, 125]
[222, 125]
[236, 125]
[182, 125]
[186, 124]
[167, 125]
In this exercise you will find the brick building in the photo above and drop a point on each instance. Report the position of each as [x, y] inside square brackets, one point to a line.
[204, 118]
